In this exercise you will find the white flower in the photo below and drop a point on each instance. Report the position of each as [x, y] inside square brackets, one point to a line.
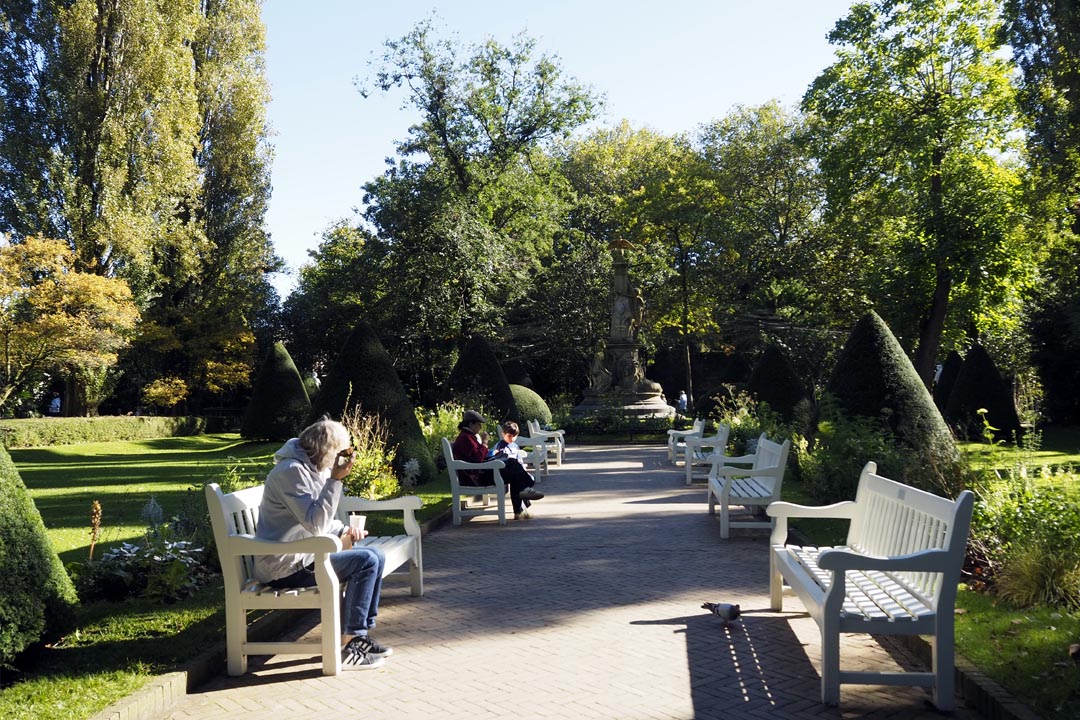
[411, 470]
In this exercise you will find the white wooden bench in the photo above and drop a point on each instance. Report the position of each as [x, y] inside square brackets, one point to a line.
[556, 439]
[701, 451]
[897, 574]
[676, 440]
[755, 486]
[536, 455]
[461, 494]
[235, 517]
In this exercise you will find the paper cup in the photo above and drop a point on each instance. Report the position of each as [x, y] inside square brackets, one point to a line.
[356, 521]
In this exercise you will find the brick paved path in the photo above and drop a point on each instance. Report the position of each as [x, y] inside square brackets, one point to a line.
[589, 610]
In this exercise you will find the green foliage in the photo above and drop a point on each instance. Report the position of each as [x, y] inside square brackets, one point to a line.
[279, 401]
[372, 474]
[747, 417]
[842, 447]
[1019, 510]
[363, 377]
[478, 379]
[1039, 573]
[773, 381]
[442, 422]
[530, 406]
[36, 596]
[874, 380]
[43, 432]
[979, 386]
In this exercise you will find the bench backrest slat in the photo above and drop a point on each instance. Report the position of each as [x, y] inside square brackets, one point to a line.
[231, 515]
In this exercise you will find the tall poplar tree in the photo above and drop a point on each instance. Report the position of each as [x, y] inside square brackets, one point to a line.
[916, 111]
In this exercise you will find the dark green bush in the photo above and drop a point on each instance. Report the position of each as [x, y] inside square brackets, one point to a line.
[979, 386]
[773, 381]
[37, 599]
[530, 406]
[949, 370]
[363, 376]
[478, 380]
[279, 401]
[874, 379]
[44, 432]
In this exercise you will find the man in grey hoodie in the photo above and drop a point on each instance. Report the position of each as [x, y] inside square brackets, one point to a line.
[300, 500]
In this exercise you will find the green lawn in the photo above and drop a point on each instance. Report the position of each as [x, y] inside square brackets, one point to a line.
[65, 479]
[119, 647]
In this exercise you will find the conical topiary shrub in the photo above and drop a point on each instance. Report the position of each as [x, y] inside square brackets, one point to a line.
[363, 375]
[37, 599]
[279, 403]
[773, 381]
[979, 386]
[479, 379]
[530, 406]
[874, 379]
[945, 382]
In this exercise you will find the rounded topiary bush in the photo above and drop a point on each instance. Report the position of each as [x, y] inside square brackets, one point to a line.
[279, 403]
[773, 381]
[874, 379]
[530, 406]
[979, 386]
[945, 382]
[363, 375]
[37, 598]
[477, 378]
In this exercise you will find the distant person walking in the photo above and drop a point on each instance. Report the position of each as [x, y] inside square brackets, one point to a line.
[682, 401]
[54, 405]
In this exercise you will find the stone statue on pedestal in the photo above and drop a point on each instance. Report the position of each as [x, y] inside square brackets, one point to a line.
[616, 375]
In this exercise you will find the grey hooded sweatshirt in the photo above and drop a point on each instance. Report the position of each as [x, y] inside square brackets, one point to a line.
[298, 502]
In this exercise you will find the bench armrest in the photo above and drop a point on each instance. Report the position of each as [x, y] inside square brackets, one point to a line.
[406, 502]
[486, 465]
[697, 442]
[728, 471]
[783, 510]
[922, 561]
[407, 505]
[741, 459]
[248, 545]
[683, 433]
[841, 511]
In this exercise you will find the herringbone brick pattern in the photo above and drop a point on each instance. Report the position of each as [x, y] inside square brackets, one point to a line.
[589, 610]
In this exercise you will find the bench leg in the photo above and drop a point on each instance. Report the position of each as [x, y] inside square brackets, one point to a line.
[943, 658]
[416, 578]
[235, 637]
[776, 585]
[725, 519]
[830, 663]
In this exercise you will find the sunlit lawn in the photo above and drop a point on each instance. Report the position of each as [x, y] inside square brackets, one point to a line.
[119, 647]
[65, 479]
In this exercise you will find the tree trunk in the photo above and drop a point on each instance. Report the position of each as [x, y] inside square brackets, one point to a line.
[932, 325]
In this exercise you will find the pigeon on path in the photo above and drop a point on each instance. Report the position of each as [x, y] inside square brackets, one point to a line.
[725, 611]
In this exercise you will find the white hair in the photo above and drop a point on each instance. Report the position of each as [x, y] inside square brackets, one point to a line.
[323, 440]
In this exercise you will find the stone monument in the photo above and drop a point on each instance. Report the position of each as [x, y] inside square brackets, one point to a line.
[616, 378]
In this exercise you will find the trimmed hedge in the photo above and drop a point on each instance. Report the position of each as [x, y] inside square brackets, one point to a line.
[530, 406]
[874, 379]
[479, 378]
[774, 381]
[363, 375]
[949, 370]
[979, 385]
[37, 598]
[279, 401]
[44, 432]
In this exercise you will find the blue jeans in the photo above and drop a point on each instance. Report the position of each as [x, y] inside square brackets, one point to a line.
[362, 569]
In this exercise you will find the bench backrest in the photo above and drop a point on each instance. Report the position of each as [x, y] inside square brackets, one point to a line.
[771, 454]
[452, 465]
[896, 519]
[233, 515]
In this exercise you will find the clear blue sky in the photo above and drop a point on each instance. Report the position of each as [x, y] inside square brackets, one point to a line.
[670, 66]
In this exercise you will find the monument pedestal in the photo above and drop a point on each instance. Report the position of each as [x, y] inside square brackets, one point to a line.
[636, 403]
